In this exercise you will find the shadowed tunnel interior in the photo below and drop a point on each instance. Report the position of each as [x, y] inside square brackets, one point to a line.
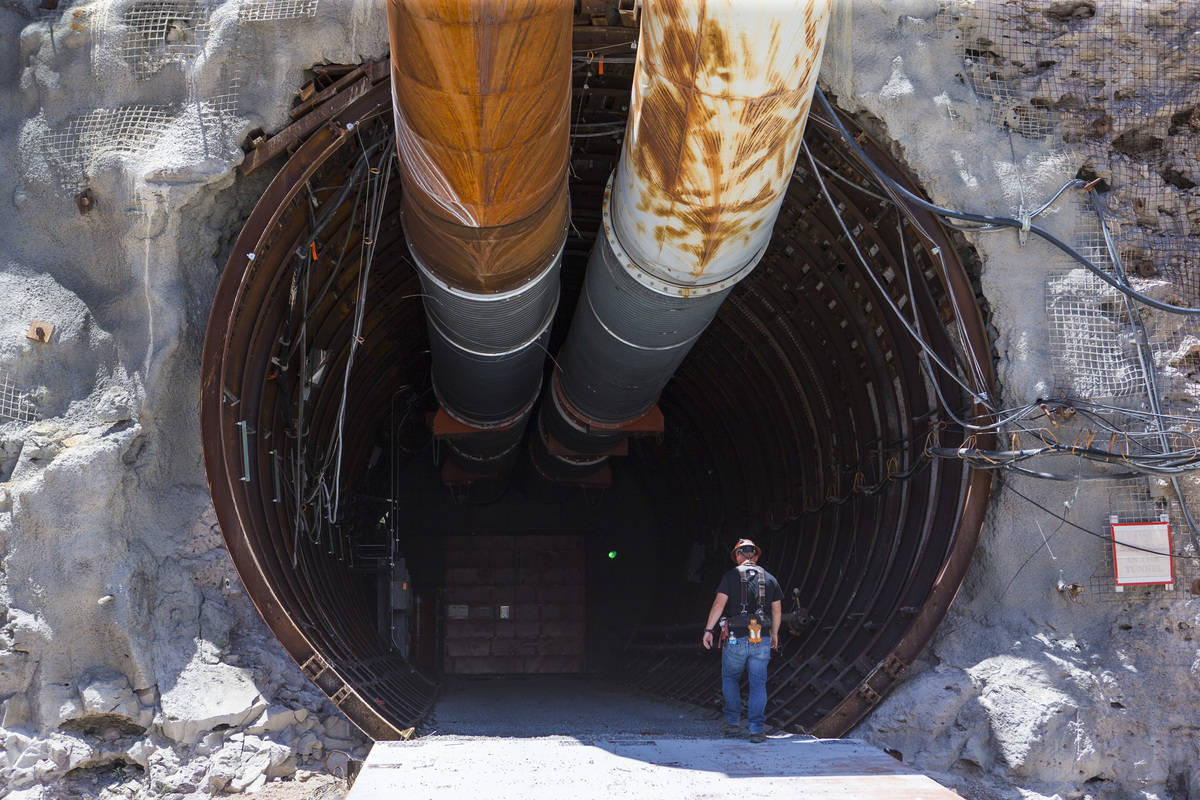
[798, 420]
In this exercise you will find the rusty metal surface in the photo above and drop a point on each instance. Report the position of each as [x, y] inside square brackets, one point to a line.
[720, 96]
[239, 340]
[359, 82]
[481, 93]
[39, 331]
[972, 503]
[516, 604]
[719, 101]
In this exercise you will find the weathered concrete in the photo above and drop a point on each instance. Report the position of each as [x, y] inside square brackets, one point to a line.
[786, 766]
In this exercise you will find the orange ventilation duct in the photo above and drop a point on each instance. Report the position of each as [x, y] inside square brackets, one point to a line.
[481, 95]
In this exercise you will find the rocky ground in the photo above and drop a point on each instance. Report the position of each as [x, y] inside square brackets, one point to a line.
[1043, 682]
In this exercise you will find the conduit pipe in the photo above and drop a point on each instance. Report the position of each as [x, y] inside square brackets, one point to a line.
[481, 97]
[721, 92]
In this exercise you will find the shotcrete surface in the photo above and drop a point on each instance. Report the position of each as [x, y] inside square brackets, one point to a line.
[1028, 688]
[120, 606]
[131, 661]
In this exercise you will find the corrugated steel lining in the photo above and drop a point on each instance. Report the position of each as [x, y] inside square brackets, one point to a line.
[761, 438]
[837, 389]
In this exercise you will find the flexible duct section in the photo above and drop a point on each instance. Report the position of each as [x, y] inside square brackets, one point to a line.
[721, 92]
[799, 419]
[481, 98]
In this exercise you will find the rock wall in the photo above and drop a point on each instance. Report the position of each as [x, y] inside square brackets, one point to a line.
[1042, 681]
[125, 638]
[131, 659]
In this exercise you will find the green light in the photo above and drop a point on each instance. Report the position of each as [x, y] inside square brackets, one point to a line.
[612, 554]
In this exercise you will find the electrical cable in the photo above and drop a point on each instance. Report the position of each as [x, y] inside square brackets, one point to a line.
[915, 332]
[921, 462]
[599, 134]
[833, 173]
[924, 358]
[1005, 222]
[1170, 467]
[1058, 476]
[879, 286]
[1146, 359]
[1031, 501]
[317, 504]
[376, 191]
[987, 222]
[968, 355]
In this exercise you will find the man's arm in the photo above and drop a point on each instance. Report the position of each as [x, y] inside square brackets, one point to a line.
[776, 618]
[714, 614]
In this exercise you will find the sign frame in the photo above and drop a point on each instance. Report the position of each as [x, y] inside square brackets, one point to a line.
[1120, 584]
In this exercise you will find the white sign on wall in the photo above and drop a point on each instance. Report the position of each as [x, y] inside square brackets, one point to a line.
[1133, 565]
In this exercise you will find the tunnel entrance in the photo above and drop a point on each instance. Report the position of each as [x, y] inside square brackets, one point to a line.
[800, 419]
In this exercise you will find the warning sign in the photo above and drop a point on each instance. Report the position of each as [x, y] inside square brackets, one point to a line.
[1140, 553]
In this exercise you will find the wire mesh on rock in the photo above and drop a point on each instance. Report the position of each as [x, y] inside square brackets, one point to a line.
[15, 405]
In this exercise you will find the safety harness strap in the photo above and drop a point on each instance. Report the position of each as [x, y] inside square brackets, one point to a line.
[744, 572]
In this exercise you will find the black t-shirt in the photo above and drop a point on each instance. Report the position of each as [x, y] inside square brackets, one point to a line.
[731, 585]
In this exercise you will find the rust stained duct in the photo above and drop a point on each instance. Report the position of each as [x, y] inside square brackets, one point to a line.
[721, 92]
[720, 96]
[481, 94]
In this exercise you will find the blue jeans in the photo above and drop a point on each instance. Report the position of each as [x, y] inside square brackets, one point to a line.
[740, 655]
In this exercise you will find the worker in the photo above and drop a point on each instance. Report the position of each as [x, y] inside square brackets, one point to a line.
[757, 607]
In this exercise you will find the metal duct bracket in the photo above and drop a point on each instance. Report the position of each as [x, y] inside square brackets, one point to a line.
[651, 423]
[465, 440]
[572, 448]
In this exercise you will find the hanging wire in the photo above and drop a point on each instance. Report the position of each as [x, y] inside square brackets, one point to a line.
[1165, 460]
[317, 479]
[1106, 538]
[1025, 224]
[376, 199]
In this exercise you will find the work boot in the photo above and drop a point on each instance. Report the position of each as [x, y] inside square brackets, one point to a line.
[732, 731]
[757, 738]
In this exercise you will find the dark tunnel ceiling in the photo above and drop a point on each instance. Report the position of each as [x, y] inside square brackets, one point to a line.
[794, 420]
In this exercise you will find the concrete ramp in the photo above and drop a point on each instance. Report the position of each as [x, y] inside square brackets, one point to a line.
[564, 768]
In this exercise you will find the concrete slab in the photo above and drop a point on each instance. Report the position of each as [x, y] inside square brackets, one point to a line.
[785, 766]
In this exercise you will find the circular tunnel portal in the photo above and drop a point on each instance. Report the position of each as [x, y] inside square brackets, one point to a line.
[800, 420]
